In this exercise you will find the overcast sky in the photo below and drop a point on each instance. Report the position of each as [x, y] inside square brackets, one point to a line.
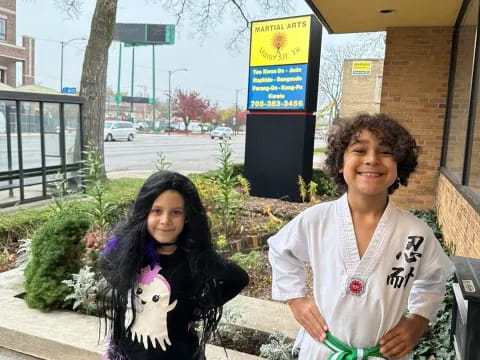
[212, 70]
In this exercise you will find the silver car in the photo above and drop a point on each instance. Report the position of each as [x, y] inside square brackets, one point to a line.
[221, 132]
[114, 130]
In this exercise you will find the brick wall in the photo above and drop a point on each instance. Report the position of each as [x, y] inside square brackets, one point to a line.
[359, 91]
[460, 221]
[414, 91]
[10, 53]
[7, 11]
[28, 76]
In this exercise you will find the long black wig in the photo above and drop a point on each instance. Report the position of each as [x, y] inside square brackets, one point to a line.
[131, 248]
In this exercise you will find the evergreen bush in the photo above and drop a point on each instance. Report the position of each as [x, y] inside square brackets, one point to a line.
[56, 253]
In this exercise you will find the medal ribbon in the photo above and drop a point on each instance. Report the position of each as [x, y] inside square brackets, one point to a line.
[345, 352]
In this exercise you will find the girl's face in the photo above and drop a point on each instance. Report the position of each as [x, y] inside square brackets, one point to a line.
[167, 217]
[369, 168]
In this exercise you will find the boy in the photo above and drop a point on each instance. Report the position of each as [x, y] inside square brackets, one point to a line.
[369, 258]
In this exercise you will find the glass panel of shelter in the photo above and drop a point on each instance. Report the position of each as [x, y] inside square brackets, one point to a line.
[8, 148]
[462, 86]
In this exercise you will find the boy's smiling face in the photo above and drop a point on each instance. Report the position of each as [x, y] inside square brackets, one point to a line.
[369, 167]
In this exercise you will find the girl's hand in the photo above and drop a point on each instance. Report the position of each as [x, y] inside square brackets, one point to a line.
[306, 313]
[400, 340]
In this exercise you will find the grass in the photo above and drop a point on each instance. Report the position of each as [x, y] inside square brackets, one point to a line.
[319, 150]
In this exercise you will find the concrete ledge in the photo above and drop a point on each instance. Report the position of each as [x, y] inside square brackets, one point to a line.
[265, 315]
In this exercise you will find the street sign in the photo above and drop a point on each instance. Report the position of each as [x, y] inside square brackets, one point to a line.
[69, 90]
[136, 99]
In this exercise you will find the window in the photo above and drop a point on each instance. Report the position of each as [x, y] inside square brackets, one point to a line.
[3, 29]
[461, 91]
[3, 76]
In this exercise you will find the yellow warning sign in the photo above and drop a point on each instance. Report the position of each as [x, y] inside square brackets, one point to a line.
[361, 68]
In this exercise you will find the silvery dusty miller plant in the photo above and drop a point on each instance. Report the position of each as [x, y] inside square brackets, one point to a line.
[23, 253]
[85, 287]
[278, 348]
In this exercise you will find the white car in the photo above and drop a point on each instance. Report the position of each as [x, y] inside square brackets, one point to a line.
[221, 132]
[115, 130]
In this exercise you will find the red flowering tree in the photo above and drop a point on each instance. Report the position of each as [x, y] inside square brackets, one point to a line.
[189, 106]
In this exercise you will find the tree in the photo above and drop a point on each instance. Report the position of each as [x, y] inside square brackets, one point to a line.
[227, 113]
[370, 45]
[189, 106]
[93, 82]
[94, 72]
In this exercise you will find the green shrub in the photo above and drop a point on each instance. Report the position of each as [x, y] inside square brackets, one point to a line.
[223, 193]
[21, 224]
[250, 260]
[56, 254]
[436, 340]
[324, 185]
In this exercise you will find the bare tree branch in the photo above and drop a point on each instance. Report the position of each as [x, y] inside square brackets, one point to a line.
[71, 7]
[242, 13]
[205, 15]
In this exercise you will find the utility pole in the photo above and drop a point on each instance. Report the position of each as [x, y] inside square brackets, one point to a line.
[63, 44]
[235, 118]
[144, 87]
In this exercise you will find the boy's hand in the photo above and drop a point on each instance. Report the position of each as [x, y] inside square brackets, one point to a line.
[400, 340]
[306, 313]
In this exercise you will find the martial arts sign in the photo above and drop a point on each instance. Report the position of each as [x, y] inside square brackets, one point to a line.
[360, 298]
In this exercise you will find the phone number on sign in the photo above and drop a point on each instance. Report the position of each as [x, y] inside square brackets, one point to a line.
[275, 103]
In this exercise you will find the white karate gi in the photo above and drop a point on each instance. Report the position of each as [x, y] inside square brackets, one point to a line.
[324, 236]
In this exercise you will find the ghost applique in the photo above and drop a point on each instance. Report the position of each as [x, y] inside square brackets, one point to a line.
[153, 304]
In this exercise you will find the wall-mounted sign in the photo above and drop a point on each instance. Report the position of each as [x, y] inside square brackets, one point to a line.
[361, 67]
[280, 52]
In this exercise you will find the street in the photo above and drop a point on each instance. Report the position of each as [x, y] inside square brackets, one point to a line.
[185, 153]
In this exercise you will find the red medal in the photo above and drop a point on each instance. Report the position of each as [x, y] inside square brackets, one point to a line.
[356, 287]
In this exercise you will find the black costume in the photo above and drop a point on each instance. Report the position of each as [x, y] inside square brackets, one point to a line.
[180, 340]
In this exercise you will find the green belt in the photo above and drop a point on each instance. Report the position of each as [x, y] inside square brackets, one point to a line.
[345, 352]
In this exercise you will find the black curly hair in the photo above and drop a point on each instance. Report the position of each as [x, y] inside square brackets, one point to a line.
[387, 130]
[131, 248]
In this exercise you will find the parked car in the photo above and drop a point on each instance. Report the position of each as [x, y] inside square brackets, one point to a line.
[195, 127]
[221, 132]
[115, 130]
[141, 125]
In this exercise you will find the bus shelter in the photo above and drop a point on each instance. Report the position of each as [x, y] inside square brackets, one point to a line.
[40, 143]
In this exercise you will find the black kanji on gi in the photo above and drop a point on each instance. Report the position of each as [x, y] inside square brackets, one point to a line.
[415, 242]
[396, 279]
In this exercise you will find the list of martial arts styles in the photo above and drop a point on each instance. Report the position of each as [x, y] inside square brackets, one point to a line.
[278, 87]
[401, 275]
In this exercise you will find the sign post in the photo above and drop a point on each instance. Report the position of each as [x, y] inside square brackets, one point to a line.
[282, 99]
[132, 35]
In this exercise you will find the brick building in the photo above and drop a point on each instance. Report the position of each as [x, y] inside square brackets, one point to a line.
[430, 84]
[361, 86]
[10, 53]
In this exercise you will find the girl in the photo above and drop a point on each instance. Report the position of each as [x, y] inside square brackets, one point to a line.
[369, 258]
[164, 275]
